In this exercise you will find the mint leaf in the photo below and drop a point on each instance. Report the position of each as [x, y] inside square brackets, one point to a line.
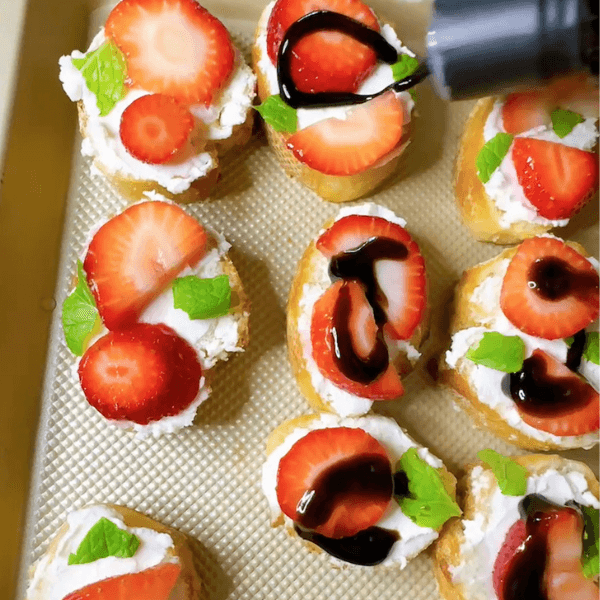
[405, 66]
[511, 476]
[279, 115]
[202, 298]
[428, 503]
[499, 352]
[80, 316]
[591, 556]
[563, 121]
[591, 351]
[104, 71]
[492, 154]
[102, 540]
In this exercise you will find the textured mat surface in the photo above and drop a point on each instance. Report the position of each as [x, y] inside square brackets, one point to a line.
[206, 480]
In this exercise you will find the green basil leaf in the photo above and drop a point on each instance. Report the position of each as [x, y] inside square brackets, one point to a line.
[405, 66]
[202, 298]
[428, 503]
[492, 154]
[511, 476]
[499, 352]
[80, 318]
[591, 352]
[279, 115]
[104, 71]
[102, 540]
[563, 121]
[591, 536]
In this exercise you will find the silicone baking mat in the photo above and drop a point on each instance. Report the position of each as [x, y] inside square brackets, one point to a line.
[205, 480]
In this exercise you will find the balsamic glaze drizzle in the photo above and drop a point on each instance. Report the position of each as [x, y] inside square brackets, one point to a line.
[359, 264]
[325, 20]
[575, 352]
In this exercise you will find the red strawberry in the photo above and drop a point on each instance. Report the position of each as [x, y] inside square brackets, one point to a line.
[327, 61]
[140, 374]
[134, 256]
[526, 110]
[328, 340]
[549, 290]
[156, 583]
[563, 575]
[402, 283]
[513, 543]
[570, 405]
[154, 127]
[336, 481]
[346, 147]
[172, 47]
[558, 180]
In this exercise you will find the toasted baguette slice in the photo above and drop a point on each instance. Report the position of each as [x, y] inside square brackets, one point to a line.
[476, 502]
[478, 210]
[332, 188]
[135, 189]
[309, 272]
[466, 314]
[309, 422]
[189, 585]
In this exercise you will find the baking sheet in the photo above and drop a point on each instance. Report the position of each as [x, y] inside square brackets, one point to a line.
[205, 480]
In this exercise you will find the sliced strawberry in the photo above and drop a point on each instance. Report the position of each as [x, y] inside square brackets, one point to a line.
[346, 147]
[134, 256]
[525, 110]
[346, 345]
[335, 481]
[140, 374]
[555, 399]
[564, 578]
[549, 290]
[401, 282]
[154, 127]
[156, 583]
[327, 61]
[557, 179]
[172, 47]
[513, 543]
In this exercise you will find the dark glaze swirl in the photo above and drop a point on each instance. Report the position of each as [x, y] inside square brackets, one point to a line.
[370, 546]
[324, 20]
[554, 279]
[525, 577]
[358, 264]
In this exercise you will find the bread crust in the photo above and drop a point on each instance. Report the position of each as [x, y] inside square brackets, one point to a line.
[333, 188]
[478, 210]
[469, 314]
[192, 583]
[134, 189]
[446, 552]
[278, 436]
[306, 273]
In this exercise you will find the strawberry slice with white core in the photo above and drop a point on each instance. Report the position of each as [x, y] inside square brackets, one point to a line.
[549, 290]
[172, 47]
[564, 578]
[335, 481]
[140, 374]
[136, 255]
[348, 146]
[156, 583]
[155, 127]
[346, 345]
[402, 283]
[557, 179]
[324, 61]
[556, 399]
